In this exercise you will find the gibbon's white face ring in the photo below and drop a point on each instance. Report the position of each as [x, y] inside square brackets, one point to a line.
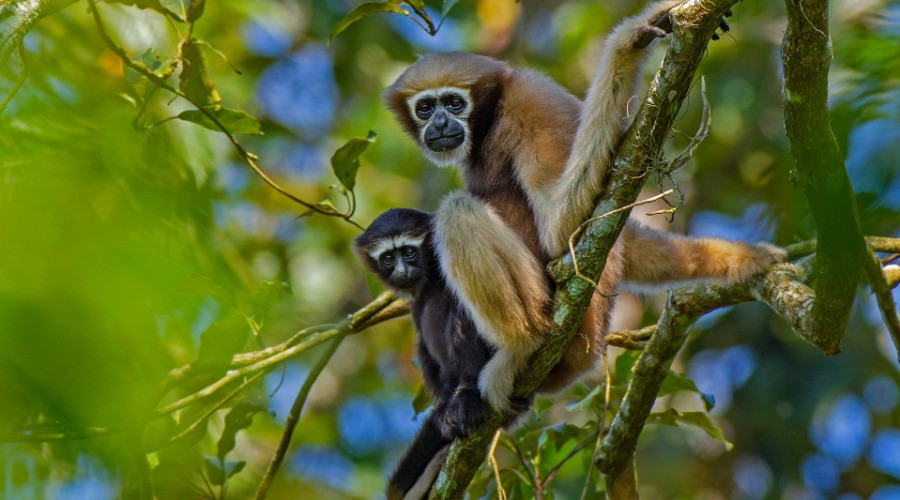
[400, 241]
[457, 155]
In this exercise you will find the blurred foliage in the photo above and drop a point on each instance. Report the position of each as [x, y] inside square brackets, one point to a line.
[132, 243]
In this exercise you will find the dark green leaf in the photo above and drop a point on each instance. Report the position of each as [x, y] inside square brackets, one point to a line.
[171, 480]
[194, 79]
[422, 400]
[697, 419]
[361, 11]
[240, 417]
[214, 471]
[587, 401]
[446, 6]
[675, 382]
[345, 161]
[623, 366]
[236, 122]
[195, 10]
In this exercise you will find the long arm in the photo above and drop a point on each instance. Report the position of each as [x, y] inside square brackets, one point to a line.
[602, 121]
[654, 257]
[498, 281]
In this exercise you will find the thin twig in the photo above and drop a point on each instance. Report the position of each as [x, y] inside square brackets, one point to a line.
[20, 80]
[575, 234]
[493, 461]
[294, 417]
[215, 407]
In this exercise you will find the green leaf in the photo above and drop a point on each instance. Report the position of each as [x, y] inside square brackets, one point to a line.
[587, 401]
[150, 60]
[623, 366]
[149, 4]
[267, 294]
[195, 10]
[345, 161]
[240, 417]
[194, 79]
[674, 383]
[224, 337]
[361, 11]
[446, 6]
[214, 471]
[236, 122]
[422, 400]
[697, 419]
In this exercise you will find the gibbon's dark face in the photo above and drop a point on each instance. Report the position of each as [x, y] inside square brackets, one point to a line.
[394, 247]
[441, 115]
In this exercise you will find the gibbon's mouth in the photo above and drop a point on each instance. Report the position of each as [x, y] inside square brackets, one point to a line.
[445, 143]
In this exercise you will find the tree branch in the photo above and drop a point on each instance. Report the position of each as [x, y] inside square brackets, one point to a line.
[820, 173]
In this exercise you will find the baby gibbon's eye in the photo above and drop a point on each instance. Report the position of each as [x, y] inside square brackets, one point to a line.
[408, 253]
[386, 259]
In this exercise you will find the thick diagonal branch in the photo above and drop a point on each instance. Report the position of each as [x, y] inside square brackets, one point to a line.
[820, 173]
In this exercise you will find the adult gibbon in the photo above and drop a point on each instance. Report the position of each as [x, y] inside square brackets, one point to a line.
[534, 159]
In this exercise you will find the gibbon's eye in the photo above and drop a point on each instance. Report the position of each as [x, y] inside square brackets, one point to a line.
[408, 253]
[424, 109]
[386, 259]
[455, 103]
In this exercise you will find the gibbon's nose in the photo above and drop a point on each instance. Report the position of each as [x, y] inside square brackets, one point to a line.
[440, 121]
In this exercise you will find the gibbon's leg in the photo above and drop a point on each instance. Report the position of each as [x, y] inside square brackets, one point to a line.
[653, 257]
[600, 129]
[420, 464]
[498, 281]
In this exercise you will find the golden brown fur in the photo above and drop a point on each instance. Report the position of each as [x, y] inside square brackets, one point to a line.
[525, 194]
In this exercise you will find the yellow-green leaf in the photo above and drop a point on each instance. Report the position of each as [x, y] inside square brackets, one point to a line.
[235, 121]
[363, 10]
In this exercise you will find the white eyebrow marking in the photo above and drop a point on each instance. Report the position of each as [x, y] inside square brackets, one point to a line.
[400, 241]
[436, 93]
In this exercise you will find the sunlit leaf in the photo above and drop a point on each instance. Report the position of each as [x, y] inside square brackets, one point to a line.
[149, 4]
[267, 294]
[240, 417]
[236, 122]
[697, 419]
[361, 11]
[345, 161]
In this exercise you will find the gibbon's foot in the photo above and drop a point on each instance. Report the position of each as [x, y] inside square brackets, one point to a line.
[463, 414]
[658, 26]
[765, 257]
